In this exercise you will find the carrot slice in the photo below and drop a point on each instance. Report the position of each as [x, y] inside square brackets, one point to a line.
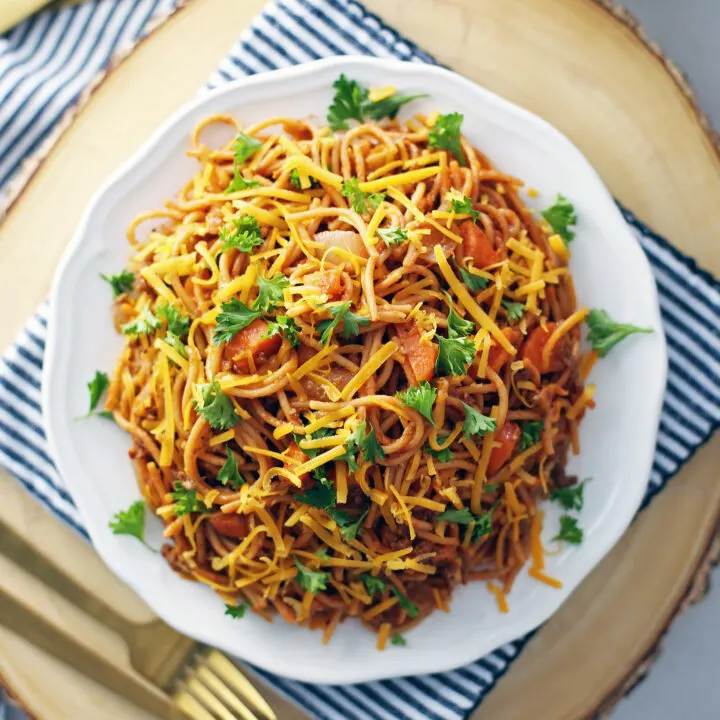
[532, 350]
[251, 341]
[476, 246]
[505, 442]
[419, 356]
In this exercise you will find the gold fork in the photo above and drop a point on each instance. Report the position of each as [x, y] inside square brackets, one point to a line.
[203, 683]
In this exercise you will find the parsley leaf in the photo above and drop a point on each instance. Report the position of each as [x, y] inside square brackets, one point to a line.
[473, 282]
[234, 317]
[454, 356]
[216, 407]
[458, 327]
[352, 102]
[323, 553]
[569, 530]
[130, 521]
[392, 236]
[229, 473]
[242, 234]
[398, 639]
[186, 501]
[362, 202]
[514, 310]
[351, 452]
[317, 435]
[347, 103]
[120, 283]
[445, 134]
[237, 611]
[177, 323]
[97, 386]
[531, 433]
[561, 215]
[176, 344]
[310, 579]
[295, 180]
[461, 517]
[351, 322]
[270, 294]
[571, 498]
[406, 603]
[144, 324]
[348, 528]
[239, 183]
[283, 325]
[245, 147]
[321, 496]
[604, 333]
[370, 447]
[373, 584]
[444, 455]
[462, 204]
[422, 398]
[476, 423]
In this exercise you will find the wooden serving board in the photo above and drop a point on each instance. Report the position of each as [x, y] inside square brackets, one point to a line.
[581, 65]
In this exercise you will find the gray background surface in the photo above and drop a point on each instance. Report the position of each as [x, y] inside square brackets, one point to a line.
[685, 681]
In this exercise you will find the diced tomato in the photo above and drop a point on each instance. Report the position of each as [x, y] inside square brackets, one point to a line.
[420, 357]
[532, 350]
[251, 340]
[498, 355]
[331, 283]
[296, 453]
[476, 246]
[230, 524]
[505, 441]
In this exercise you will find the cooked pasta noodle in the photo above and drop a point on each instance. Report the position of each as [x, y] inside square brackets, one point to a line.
[351, 372]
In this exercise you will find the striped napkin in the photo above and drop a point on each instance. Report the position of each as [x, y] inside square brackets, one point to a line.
[46, 62]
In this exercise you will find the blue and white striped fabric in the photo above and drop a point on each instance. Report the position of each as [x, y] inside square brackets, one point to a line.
[46, 62]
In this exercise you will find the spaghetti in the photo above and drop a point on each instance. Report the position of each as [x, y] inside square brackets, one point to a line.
[351, 371]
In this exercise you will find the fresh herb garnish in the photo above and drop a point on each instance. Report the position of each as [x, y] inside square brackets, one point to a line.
[295, 180]
[321, 496]
[130, 521]
[482, 523]
[373, 584]
[392, 236]
[571, 498]
[351, 322]
[234, 316]
[476, 423]
[444, 455]
[454, 355]
[368, 443]
[348, 528]
[458, 327]
[144, 324]
[561, 216]
[286, 326]
[186, 501]
[445, 134]
[270, 293]
[244, 147]
[239, 183]
[398, 639]
[352, 102]
[216, 406]
[242, 234]
[176, 344]
[515, 310]
[97, 386]
[604, 333]
[569, 530]
[177, 323]
[311, 580]
[461, 517]
[120, 283]
[421, 397]
[473, 282]
[462, 204]
[237, 611]
[317, 435]
[406, 603]
[229, 474]
[532, 431]
[362, 202]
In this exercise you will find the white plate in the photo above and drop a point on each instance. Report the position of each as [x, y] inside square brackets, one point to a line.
[617, 438]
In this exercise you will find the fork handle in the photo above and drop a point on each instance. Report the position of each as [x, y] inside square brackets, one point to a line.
[22, 553]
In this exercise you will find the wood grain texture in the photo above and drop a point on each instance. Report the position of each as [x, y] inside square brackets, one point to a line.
[579, 65]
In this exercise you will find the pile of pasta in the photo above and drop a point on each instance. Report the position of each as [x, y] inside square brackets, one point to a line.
[352, 369]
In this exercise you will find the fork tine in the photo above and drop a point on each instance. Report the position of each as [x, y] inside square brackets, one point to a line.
[236, 680]
[202, 694]
[190, 706]
[224, 693]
